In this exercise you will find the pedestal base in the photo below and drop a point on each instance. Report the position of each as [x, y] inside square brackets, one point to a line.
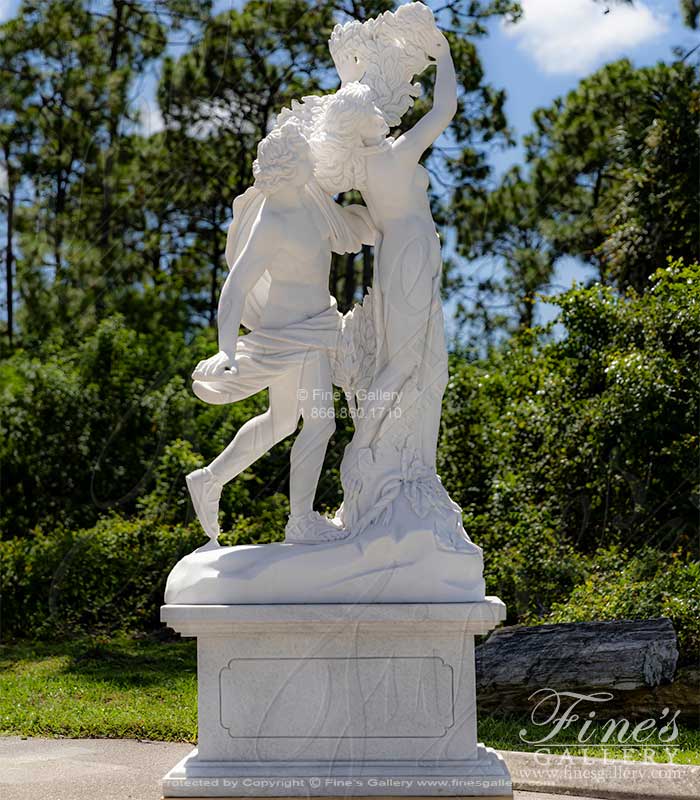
[334, 699]
[484, 776]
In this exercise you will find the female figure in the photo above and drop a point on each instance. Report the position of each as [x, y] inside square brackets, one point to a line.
[397, 426]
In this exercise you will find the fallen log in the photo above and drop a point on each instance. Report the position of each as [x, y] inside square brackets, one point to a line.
[634, 660]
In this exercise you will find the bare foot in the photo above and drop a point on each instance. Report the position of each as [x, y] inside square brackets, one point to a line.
[205, 492]
[313, 528]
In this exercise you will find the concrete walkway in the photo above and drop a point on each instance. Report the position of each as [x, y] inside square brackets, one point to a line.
[623, 780]
[124, 769]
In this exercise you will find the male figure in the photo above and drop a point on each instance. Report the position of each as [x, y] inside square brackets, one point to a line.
[279, 253]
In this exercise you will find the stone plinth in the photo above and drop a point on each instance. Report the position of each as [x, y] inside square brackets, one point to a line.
[335, 699]
[402, 562]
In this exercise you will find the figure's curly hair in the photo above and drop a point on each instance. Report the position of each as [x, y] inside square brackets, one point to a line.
[279, 156]
[338, 145]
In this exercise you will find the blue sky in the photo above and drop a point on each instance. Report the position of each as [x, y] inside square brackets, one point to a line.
[541, 57]
[558, 42]
[544, 56]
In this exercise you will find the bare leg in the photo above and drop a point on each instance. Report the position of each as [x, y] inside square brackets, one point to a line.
[261, 433]
[306, 526]
[252, 441]
[309, 449]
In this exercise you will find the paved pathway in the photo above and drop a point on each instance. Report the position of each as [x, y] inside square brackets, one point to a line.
[123, 769]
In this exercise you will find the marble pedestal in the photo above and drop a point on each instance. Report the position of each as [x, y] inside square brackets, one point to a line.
[337, 700]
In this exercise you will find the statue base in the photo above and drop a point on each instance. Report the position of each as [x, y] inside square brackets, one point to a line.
[337, 700]
[402, 561]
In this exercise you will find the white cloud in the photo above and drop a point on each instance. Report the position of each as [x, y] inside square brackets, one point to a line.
[575, 36]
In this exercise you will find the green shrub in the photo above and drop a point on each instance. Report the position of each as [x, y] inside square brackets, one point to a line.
[110, 577]
[594, 436]
[168, 503]
[97, 428]
[531, 570]
[82, 427]
[648, 584]
[263, 522]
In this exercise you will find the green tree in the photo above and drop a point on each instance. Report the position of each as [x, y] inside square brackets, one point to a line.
[16, 127]
[690, 10]
[60, 59]
[119, 222]
[505, 223]
[219, 98]
[76, 254]
[621, 149]
[611, 176]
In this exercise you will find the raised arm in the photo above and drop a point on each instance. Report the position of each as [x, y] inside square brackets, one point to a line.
[415, 142]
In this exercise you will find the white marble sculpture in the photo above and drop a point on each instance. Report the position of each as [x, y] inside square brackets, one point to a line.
[279, 251]
[397, 536]
[340, 662]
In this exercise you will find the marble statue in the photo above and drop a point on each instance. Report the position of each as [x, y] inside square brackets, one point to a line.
[397, 531]
[341, 661]
[279, 253]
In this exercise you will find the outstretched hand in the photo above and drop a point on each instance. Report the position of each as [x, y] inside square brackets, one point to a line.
[215, 367]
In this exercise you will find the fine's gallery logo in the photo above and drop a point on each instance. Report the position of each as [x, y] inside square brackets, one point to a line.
[556, 712]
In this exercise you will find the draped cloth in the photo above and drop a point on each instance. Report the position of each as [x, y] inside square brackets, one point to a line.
[391, 485]
[267, 353]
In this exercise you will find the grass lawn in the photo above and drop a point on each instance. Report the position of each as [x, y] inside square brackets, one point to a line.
[142, 688]
[115, 688]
